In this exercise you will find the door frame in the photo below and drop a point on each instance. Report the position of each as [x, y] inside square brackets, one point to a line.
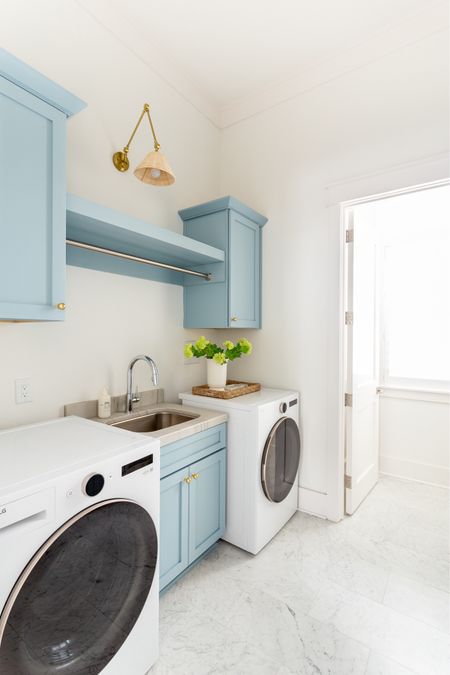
[409, 178]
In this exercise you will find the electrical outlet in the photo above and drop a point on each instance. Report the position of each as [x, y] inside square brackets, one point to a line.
[24, 392]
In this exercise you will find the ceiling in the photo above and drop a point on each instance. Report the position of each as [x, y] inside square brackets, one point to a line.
[229, 51]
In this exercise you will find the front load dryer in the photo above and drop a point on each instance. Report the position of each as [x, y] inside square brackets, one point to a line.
[79, 525]
[263, 456]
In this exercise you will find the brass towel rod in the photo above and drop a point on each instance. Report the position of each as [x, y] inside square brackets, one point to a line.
[99, 249]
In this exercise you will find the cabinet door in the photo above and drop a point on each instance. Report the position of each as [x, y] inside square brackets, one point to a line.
[206, 503]
[244, 273]
[206, 303]
[173, 538]
[33, 213]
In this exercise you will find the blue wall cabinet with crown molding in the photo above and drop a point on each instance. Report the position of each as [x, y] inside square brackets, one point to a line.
[33, 114]
[193, 500]
[233, 298]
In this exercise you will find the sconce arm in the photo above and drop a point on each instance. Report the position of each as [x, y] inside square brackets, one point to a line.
[155, 142]
[145, 111]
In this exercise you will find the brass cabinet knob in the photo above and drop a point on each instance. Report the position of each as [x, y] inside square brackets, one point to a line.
[61, 305]
[187, 479]
[195, 476]
[234, 318]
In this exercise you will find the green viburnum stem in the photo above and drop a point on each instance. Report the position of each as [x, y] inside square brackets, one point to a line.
[227, 352]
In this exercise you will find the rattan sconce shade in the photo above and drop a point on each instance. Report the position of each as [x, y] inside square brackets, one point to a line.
[148, 169]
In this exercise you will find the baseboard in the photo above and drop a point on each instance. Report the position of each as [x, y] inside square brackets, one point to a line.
[413, 470]
[315, 503]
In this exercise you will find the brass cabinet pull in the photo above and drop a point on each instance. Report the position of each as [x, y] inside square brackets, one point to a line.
[61, 305]
[195, 476]
[187, 479]
[234, 318]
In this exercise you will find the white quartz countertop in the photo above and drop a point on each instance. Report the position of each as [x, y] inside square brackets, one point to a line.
[204, 419]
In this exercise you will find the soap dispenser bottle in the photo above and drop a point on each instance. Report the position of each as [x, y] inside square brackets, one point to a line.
[104, 404]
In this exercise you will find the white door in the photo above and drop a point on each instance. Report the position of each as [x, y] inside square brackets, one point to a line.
[361, 419]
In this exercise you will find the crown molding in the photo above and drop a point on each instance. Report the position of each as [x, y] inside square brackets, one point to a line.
[412, 29]
[152, 54]
[29, 79]
[221, 204]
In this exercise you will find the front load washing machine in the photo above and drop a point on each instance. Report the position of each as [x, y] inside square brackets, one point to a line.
[263, 456]
[79, 524]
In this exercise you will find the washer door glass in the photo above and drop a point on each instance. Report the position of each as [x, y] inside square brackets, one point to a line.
[280, 460]
[79, 597]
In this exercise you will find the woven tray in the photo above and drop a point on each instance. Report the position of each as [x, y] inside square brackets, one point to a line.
[204, 390]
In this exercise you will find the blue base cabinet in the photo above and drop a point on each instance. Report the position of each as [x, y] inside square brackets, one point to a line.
[206, 503]
[33, 113]
[193, 501]
[232, 299]
[174, 527]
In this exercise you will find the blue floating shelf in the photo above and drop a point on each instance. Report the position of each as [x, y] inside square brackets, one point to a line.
[97, 225]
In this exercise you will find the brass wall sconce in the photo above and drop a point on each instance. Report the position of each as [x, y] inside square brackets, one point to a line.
[154, 168]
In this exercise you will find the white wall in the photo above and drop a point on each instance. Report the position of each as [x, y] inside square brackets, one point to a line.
[415, 436]
[109, 318]
[393, 111]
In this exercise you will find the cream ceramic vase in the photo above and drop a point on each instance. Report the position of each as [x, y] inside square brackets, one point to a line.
[216, 374]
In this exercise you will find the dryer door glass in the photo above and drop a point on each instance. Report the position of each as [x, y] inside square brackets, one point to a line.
[280, 460]
[79, 597]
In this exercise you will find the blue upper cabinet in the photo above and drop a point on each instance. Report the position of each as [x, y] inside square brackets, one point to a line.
[233, 298]
[33, 114]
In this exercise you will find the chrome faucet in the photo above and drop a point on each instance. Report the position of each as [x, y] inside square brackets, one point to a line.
[134, 399]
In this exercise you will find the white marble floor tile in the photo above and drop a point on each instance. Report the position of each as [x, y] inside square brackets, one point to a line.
[210, 592]
[160, 668]
[202, 647]
[419, 601]
[377, 516]
[391, 557]
[320, 553]
[409, 642]
[433, 519]
[289, 584]
[417, 539]
[294, 639]
[417, 495]
[226, 557]
[380, 665]
[360, 597]
[328, 651]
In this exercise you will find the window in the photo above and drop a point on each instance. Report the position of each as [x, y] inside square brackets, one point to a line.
[414, 264]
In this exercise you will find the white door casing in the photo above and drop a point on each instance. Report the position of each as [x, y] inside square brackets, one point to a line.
[340, 196]
[361, 412]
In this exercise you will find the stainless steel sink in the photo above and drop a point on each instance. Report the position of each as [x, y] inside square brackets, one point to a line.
[155, 421]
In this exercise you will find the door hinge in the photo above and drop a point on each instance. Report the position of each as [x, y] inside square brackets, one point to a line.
[348, 400]
[349, 318]
[349, 236]
[347, 481]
